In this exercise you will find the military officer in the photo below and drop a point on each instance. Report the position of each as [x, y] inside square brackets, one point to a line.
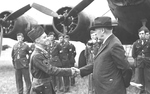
[41, 68]
[53, 53]
[140, 50]
[91, 50]
[71, 56]
[21, 64]
[147, 63]
[64, 57]
[53, 50]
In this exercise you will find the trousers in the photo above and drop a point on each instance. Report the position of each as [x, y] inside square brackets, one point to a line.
[19, 75]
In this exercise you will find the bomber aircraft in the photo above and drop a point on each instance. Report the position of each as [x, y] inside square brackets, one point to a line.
[74, 21]
[130, 14]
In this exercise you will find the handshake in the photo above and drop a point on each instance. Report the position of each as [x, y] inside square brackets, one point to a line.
[75, 71]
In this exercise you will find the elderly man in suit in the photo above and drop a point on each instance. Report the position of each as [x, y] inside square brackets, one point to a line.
[111, 70]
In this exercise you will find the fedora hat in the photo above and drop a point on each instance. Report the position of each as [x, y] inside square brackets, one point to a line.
[102, 22]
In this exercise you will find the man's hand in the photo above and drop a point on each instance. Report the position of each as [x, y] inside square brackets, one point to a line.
[77, 71]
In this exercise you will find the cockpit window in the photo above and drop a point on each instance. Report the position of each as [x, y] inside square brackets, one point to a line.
[126, 2]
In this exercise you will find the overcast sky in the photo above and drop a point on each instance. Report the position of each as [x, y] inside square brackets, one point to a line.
[95, 9]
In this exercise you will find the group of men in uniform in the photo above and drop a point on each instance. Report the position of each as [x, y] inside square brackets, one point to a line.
[141, 55]
[50, 62]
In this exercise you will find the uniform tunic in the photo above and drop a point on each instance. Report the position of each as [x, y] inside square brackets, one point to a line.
[72, 54]
[141, 54]
[64, 57]
[21, 65]
[42, 69]
[19, 52]
[53, 55]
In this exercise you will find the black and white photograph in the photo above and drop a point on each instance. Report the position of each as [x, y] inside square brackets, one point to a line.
[75, 47]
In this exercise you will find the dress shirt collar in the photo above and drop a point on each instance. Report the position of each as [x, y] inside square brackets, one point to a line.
[106, 38]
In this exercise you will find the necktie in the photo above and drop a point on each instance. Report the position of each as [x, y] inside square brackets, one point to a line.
[142, 42]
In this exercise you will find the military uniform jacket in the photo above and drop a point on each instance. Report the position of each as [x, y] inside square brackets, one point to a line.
[137, 48]
[19, 52]
[90, 52]
[42, 69]
[72, 54]
[140, 52]
[64, 54]
[53, 53]
[108, 68]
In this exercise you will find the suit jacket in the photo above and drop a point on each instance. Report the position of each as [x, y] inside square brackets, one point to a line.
[109, 65]
[82, 59]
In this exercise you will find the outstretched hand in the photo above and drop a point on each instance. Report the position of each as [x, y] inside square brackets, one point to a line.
[76, 71]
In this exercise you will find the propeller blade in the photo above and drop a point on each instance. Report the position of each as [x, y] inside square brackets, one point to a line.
[44, 10]
[1, 40]
[18, 13]
[78, 8]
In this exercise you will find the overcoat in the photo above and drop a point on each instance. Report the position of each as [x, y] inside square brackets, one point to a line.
[108, 68]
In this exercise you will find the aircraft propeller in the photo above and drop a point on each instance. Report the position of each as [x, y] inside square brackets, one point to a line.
[68, 17]
[71, 16]
[44, 10]
[4, 22]
[79, 7]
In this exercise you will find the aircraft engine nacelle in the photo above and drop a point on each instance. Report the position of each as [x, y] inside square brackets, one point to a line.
[130, 13]
[76, 25]
[22, 24]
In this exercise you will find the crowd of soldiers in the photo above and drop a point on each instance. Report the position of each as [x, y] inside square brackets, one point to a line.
[60, 53]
